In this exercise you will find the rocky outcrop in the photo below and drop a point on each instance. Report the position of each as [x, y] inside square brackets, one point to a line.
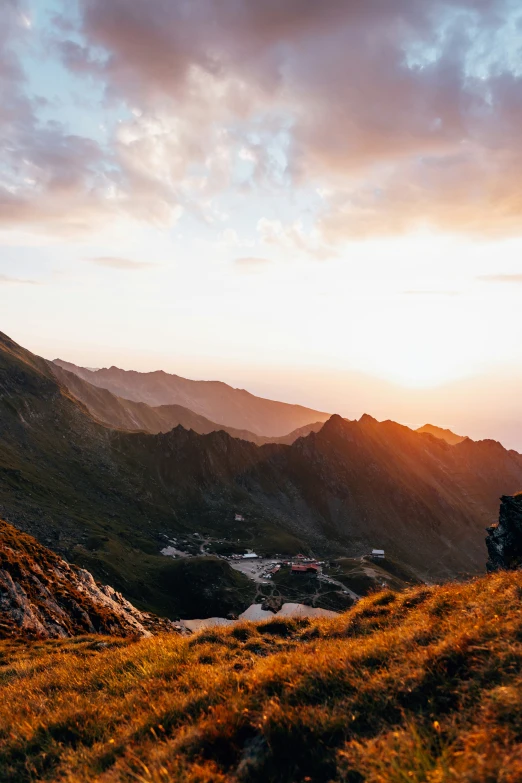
[504, 541]
[42, 596]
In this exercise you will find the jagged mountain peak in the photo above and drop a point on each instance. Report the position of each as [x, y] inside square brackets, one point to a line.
[334, 422]
[442, 433]
[367, 419]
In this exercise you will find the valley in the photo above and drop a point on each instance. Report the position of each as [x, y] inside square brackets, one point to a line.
[107, 499]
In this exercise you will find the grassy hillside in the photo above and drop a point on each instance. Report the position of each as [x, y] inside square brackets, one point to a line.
[420, 686]
[190, 588]
[363, 576]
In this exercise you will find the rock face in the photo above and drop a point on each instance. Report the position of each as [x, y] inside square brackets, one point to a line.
[42, 596]
[504, 541]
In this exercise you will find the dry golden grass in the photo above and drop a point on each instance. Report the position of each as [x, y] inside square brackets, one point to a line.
[420, 686]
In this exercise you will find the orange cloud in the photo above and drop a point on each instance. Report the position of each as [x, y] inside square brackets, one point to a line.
[249, 263]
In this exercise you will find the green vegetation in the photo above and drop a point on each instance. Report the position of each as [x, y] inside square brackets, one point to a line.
[308, 589]
[422, 686]
[367, 575]
[186, 587]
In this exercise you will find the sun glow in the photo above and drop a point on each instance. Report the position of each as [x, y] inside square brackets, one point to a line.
[421, 371]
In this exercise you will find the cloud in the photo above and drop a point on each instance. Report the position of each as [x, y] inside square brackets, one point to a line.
[121, 263]
[59, 183]
[251, 263]
[403, 114]
[48, 177]
[515, 279]
[5, 279]
[293, 237]
[391, 106]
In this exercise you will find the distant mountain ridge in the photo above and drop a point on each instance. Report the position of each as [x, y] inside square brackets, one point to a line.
[442, 433]
[214, 400]
[135, 416]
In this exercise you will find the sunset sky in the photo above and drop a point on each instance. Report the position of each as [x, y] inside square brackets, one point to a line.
[320, 201]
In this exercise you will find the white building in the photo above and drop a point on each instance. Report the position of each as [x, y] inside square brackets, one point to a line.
[249, 556]
[378, 553]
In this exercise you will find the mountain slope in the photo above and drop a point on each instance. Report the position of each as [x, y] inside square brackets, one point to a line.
[383, 485]
[109, 499]
[135, 416]
[42, 596]
[214, 400]
[65, 479]
[420, 686]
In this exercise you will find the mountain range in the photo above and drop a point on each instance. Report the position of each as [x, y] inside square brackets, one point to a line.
[108, 499]
[132, 415]
[213, 400]
[443, 433]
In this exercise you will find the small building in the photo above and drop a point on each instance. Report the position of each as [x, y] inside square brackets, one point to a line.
[250, 556]
[239, 518]
[305, 569]
[378, 553]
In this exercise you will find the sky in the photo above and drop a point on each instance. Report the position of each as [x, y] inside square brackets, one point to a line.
[320, 202]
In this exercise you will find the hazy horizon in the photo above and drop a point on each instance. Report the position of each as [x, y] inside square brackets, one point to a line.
[460, 405]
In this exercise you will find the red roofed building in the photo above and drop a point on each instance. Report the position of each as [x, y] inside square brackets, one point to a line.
[303, 569]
